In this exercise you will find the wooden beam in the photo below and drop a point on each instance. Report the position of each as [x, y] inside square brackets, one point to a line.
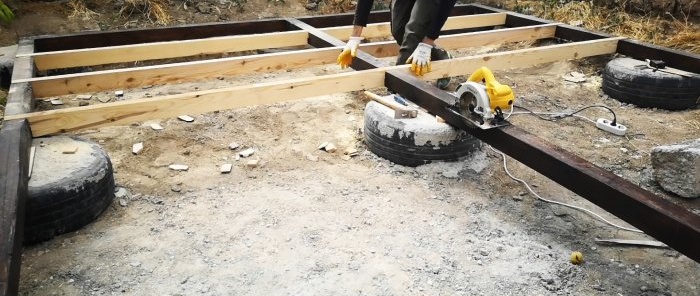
[172, 33]
[15, 140]
[165, 50]
[73, 119]
[173, 49]
[207, 69]
[453, 23]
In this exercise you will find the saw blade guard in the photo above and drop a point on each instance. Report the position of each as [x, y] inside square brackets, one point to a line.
[473, 99]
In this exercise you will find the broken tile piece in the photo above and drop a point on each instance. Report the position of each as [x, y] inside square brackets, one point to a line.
[252, 163]
[330, 148]
[156, 127]
[323, 145]
[186, 118]
[226, 168]
[233, 146]
[70, 149]
[119, 93]
[104, 99]
[56, 102]
[137, 148]
[246, 153]
[179, 167]
[83, 97]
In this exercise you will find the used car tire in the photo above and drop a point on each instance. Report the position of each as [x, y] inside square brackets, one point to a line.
[628, 80]
[415, 141]
[66, 191]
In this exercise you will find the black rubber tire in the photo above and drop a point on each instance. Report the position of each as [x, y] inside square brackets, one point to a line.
[416, 141]
[72, 198]
[625, 80]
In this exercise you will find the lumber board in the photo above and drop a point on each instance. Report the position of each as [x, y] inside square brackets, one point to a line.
[332, 20]
[207, 69]
[15, 141]
[165, 50]
[172, 33]
[380, 30]
[78, 118]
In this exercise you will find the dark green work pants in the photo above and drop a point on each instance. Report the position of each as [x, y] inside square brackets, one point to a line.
[410, 22]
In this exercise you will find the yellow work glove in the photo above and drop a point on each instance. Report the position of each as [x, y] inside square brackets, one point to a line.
[420, 59]
[349, 52]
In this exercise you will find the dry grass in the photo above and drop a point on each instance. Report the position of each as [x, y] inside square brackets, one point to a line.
[154, 10]
[79, 10]
[670, 32]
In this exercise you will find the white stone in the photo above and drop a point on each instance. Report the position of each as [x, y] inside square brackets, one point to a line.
[247, 153]
[179, 167]
[156, 127]
[136, 148]
[226, 168]
[186, 118]
[83, 97]
[233, 146]
[56, 102]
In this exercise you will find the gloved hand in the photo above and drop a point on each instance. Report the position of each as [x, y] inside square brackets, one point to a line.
[420, 59]
[349, 52]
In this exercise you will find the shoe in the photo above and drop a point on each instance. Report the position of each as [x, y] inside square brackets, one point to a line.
[442, 54]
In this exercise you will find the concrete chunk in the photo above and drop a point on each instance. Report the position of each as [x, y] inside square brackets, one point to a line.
[156, 127]
[226, 168]
[83, 97]
[136, 148]
[186, 118]
[252, 163]
[247, 153]
[677, 168]
[179, 167]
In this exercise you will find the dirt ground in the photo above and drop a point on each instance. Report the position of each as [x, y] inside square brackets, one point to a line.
[297, 225]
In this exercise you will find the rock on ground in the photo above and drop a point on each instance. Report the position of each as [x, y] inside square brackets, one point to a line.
[677, 168]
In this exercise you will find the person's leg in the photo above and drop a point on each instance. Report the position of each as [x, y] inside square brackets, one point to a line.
[400, 14]
[417, 26]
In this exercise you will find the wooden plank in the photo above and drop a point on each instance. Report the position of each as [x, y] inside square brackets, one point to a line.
[180, 72]
[73, 119]
[15, 140]
[207, 69]
[333, 20]
[458, 22]
[165, 50]
[173, 33]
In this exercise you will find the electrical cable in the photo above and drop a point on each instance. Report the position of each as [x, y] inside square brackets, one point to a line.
[505, 167]
[564, 115]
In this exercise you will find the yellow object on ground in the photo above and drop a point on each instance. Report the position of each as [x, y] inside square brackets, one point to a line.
[500, 95]
[576, 258]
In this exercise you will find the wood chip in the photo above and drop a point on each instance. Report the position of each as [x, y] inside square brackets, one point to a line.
[252, 163]
[83, 97]
[156, 127]
[136, 148]
[233, 146]
[247, 153]
[56, 102]
[70, 149]
[179, 167]
[186, 118]
[226, 168]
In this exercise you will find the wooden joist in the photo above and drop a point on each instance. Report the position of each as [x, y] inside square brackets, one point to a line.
[215, 45]
[207, 69]
[381, 30]
[165, 50]
[119, 113]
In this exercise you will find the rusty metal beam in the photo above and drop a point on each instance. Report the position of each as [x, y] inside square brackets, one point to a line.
[665, 221]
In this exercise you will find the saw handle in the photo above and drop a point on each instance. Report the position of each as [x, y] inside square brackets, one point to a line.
[500, 95]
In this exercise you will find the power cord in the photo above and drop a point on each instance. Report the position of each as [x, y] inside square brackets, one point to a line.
[561, 115]
[505, 167]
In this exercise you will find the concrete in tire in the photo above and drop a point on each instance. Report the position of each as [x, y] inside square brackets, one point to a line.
[414, 141]
[66, 191]
[677, 168]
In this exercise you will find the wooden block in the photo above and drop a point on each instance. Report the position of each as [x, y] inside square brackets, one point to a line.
[226, 168]
[137, 148]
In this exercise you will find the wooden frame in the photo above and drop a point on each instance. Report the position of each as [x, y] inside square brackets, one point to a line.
[473, 25]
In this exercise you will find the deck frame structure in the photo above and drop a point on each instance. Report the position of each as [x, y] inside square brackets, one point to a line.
[470, 25]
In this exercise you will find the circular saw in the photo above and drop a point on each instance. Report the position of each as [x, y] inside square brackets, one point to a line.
[481, 100]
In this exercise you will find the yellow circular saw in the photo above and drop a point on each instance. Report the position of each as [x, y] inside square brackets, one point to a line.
[482, 98]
